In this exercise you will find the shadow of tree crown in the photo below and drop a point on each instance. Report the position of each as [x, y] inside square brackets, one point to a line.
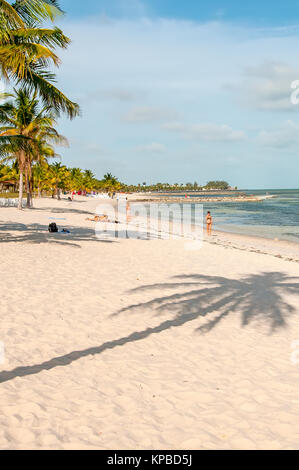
[257, 296]
[254, 297]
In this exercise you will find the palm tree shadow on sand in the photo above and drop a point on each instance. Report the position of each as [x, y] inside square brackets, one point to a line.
[12, 232]
[257, 297]
[36, 234]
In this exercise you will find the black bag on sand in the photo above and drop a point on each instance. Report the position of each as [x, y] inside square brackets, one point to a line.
[53, 228]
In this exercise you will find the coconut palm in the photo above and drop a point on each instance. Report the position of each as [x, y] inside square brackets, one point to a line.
[8, 176]
[27, 49]
[76, 179]
[42, 151]
[39, 175]
[26, 134]
[88, 180]
[111, 183]
[59, 175]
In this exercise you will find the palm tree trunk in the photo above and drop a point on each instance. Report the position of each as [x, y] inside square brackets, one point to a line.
[21, 162]
[27, 188]
[31, 189]
[29, 185]
[57, 191]
[20, 205]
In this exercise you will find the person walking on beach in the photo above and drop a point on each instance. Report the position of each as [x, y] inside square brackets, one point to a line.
[209, 220]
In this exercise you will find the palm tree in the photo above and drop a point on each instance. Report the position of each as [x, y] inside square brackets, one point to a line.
[76, 179]
[42, 152]
[8, 175]
[88, 180]
[111, 183]
[27, 50]
[58, 177]
[26, 135]
[39, 175]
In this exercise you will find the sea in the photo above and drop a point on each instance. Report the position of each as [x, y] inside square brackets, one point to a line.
[274, 218]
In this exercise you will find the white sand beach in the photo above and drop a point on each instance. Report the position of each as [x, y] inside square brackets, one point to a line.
[136, 344]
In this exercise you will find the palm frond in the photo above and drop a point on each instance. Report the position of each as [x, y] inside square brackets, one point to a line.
[51, 96]
[49, 37]
[16, 59]
[9, 16]
[37, 10]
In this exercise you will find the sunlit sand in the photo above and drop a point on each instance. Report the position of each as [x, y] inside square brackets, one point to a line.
[134, 344]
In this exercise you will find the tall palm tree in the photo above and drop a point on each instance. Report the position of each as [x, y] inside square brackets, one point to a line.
[59, 175]
[41, 151]
[111, 183]
[27, 49]
[25, 131]
[39, 171]
[76, 180]
[88, 180]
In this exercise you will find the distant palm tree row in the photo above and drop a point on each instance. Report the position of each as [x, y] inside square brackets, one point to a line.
[181, 187]
[54, 179]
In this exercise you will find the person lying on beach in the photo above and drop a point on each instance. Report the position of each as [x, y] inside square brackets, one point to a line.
[103, 218]
[209, 220]
[99, 218]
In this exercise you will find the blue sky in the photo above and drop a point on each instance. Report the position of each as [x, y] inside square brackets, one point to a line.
[255, 11]
[183, 91]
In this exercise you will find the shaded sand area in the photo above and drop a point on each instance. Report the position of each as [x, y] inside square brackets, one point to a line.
[129, 344]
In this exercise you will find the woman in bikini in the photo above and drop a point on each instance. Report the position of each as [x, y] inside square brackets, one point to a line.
[209, 220]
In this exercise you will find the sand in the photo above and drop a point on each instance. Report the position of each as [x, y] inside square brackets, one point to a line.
[136, 344]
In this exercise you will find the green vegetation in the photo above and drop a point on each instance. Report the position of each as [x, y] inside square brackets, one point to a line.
[26, 136]
[53, 179]
[28, 118]
[28, 49]
[218, 185]
[10, 195]
[180, 187]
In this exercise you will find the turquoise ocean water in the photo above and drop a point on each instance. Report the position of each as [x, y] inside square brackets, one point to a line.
[271, 218]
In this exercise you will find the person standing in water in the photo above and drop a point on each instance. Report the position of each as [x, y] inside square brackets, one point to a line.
[209, 220]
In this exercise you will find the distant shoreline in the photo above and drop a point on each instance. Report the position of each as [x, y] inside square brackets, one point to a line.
[186, 198]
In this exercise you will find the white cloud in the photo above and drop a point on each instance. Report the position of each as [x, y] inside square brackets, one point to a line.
[206, 132]
[147, 71]
[154, 147]
[286, 137]
[95, 148]
[267, 87]
[116, 94]
[148, 114]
